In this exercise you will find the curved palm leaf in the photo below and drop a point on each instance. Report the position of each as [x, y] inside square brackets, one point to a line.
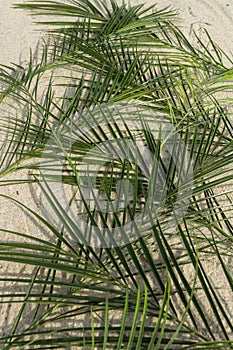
[150, 292]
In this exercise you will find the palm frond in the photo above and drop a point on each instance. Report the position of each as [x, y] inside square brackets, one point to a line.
[122, 114]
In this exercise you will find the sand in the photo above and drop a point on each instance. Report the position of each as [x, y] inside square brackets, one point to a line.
[17, 35]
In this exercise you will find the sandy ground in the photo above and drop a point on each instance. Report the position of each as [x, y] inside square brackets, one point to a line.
[17, 35]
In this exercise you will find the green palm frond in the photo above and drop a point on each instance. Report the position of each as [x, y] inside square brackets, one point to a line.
[108, 77]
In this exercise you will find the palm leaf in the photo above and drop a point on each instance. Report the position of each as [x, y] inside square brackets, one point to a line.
[130, 75]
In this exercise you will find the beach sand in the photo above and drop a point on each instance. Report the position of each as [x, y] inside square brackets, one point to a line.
[17, 35]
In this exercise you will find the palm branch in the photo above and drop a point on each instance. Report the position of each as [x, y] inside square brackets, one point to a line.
[108, 77]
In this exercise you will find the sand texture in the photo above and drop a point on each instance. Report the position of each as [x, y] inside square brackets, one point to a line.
[17, 35]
